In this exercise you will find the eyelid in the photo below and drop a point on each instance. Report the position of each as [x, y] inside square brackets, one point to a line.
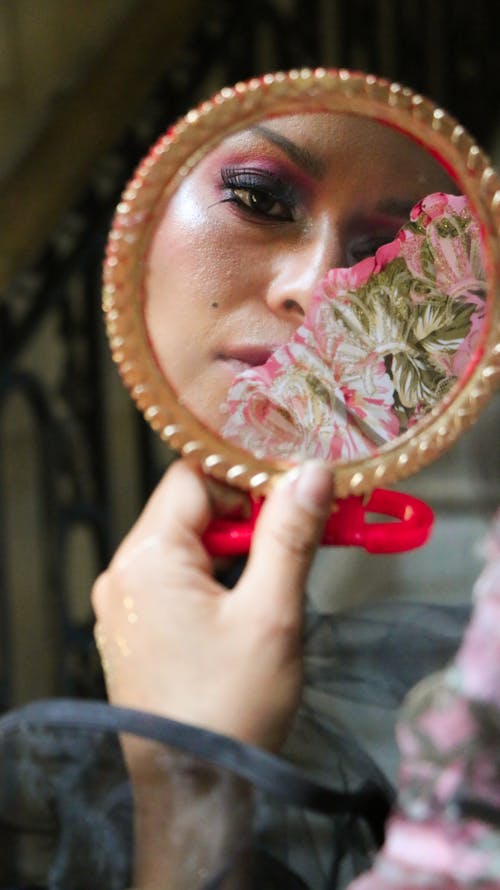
[255, 177]
[265, 183]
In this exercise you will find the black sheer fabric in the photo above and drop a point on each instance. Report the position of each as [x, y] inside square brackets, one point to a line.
[66, 814]
[236, 818]
[377, 653]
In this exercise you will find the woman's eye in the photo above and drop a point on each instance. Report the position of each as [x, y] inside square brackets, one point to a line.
[260, 194]
[262, 202]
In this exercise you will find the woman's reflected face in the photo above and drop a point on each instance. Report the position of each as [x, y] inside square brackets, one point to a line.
[256, 225]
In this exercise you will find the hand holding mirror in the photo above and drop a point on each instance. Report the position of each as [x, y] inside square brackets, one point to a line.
[306, 266]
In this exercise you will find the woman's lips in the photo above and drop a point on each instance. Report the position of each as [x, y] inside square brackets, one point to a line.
[240, 358]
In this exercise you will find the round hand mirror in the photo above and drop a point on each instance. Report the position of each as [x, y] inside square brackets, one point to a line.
[307, 266]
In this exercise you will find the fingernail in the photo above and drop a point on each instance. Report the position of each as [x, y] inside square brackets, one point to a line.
[313, 488]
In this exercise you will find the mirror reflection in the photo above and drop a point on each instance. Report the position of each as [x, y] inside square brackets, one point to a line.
[315, 286]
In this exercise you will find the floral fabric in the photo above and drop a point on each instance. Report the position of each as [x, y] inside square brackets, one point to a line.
[445, 832]
[382, 343]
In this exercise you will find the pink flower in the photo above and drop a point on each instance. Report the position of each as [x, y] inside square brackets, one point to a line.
[450, 245]
[437, 204]
[467, 354]
[299, 405]
[338, 281]
[327, 392]
[387, 253]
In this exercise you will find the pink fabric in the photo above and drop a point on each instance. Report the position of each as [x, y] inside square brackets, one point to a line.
[449, 738]
[381, 344]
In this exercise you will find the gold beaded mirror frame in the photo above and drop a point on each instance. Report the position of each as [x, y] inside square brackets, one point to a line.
[170, 163]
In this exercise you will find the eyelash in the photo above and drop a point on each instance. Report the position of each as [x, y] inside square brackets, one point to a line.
[257, 184]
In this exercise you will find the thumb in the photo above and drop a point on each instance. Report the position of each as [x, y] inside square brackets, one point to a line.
[286, 536]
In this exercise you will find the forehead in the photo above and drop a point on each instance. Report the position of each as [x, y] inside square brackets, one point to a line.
[329, 132]
[341, 143]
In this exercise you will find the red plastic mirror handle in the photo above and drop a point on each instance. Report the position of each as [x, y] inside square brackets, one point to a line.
[346, 527]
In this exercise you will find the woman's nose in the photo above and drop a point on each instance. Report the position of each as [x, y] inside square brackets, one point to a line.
[298, 271]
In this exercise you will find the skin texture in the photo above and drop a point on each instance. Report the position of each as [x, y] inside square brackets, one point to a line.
[176, 643]
[246, 238]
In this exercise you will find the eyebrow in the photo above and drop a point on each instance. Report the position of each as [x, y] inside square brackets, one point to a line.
[301, 156]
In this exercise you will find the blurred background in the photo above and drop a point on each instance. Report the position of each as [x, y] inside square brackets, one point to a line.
[85, 88]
